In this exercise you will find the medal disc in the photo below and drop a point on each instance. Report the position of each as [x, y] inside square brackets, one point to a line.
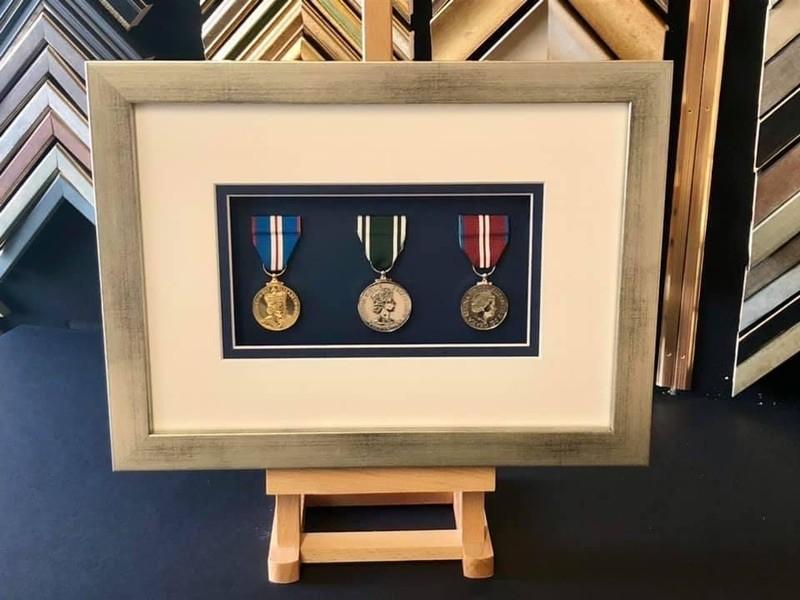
[276, 307]
[484, 306]
[384, 306]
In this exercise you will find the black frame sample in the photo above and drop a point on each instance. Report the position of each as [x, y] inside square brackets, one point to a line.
[328, 269]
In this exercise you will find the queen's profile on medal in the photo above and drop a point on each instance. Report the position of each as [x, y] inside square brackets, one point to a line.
[276, 307]
[484, 306]
[384, 305]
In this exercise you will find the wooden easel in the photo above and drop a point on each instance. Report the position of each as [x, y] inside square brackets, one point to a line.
[297, 489]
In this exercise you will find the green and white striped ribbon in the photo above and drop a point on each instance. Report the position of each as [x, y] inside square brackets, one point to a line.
[383, 237]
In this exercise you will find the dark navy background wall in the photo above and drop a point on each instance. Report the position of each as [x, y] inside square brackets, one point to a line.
[328, 269]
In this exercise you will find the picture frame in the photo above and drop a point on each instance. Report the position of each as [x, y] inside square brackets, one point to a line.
[132, 104]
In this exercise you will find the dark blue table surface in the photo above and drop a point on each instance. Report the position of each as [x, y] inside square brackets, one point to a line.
[715, 516]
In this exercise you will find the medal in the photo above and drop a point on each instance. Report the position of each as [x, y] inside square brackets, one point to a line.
[275, 306]
[483, 238]
[383, 305]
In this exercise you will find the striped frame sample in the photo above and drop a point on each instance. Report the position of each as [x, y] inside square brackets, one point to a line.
[44, 133]
[86, 26]
[768, 327]
[49, 132]
[547, 29]
[295, 29]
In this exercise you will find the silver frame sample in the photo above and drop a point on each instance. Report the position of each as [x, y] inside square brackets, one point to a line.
[115, 88]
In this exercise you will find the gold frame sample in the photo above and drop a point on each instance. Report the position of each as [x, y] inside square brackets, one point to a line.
[117, 89]
[691, 192]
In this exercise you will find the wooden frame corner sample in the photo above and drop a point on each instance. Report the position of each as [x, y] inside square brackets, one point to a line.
[126, 100]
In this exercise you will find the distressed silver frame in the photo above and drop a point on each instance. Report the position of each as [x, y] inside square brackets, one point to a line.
[115, 88]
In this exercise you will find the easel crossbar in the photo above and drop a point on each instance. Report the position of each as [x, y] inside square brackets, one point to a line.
[380, 546]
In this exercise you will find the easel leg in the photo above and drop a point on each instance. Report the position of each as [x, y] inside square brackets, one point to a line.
[283, 564]
[478, 560]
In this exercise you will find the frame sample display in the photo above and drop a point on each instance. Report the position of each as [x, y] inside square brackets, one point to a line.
[230, 195]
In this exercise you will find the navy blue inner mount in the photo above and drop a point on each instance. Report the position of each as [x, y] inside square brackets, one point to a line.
[328, 269]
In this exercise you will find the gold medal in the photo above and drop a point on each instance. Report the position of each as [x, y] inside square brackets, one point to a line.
[276, 307]
[484, 306]
[384, 305]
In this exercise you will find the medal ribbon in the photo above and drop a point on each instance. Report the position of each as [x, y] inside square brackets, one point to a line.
[483, 238]
[275, 237]
[383, 238]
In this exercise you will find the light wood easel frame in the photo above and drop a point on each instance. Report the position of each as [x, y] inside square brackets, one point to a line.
[296, 489]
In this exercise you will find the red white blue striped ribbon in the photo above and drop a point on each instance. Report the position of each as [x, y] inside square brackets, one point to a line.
[275, 237]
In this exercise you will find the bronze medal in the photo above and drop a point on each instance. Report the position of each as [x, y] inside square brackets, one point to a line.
[484, 306]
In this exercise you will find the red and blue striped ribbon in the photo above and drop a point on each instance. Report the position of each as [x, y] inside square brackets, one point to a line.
[275, 237]
[483, 238]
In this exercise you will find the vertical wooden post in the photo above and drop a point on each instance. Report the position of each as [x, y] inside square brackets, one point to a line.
[478, 558]
[283, 563]
[376, 28]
